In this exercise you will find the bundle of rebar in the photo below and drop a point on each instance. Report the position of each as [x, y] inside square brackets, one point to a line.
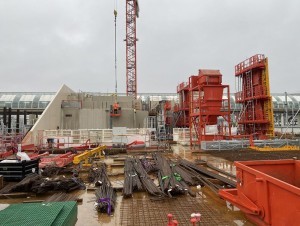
[6, 189]
[105, 194]
[169, 180]
[98, 175]
[204, 176]
[132, 181]
[64, 184]
[51, 170]
[148, 165]
[106, 199]
[26, 184]
[148, 184]
[186, 176]
[202, 170]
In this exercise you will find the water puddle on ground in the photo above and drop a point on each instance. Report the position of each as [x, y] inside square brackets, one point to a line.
[196, 154]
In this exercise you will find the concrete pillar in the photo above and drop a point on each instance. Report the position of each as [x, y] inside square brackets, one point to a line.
[18, 121]
[4, 116]
[9, 120]
[25, 117]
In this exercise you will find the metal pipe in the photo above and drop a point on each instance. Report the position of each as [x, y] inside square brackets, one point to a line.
[18, 121]
[286, 109]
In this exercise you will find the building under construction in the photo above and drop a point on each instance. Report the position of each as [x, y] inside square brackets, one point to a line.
[207, 154]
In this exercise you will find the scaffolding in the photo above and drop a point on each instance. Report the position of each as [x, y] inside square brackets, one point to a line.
[11, 137]
[253, 93]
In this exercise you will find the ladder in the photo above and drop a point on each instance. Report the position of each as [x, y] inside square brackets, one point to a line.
[248, 84]
[161, 137]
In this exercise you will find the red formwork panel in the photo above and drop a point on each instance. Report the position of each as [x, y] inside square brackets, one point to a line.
[193, 81]
[268, 192]
[58, 160]
[210, 77]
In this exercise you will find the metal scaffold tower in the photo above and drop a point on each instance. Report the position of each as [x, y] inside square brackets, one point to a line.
[132, 12]
[209, 115]
[253, 93]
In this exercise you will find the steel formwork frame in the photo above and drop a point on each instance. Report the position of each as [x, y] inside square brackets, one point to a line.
[131, 66]
[182, 108]
[209, 100]
[253, 93]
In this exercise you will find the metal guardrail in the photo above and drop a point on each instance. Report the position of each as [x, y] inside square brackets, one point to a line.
[240, 144]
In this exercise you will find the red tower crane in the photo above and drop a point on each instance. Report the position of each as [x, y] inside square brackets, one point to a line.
[132, 12]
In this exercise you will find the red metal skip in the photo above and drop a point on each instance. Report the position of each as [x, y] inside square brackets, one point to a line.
[268, 192]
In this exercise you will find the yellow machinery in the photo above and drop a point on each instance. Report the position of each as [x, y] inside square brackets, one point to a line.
[98, 151]
[268, 148]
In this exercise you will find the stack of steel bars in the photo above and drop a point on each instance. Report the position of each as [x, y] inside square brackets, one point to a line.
[106, 195]
[132, 181]
[148, 165]
[51, 170]
[170, 181]
[98, 175]
[204, 175]
[25, 185]
[61, 184]
[106, 199]
[147, 182]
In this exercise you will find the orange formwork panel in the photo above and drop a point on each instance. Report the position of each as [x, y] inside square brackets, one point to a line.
[268, 192]
[58, 160]
[181, 109]
[208, 101]
[253, 93]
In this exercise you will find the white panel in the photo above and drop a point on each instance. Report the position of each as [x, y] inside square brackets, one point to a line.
[7, 98]
[46, 98]
[27, 98]
[297, 98]
[282, 98]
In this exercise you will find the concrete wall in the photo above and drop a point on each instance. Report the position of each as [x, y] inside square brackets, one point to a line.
[70, 118]
[100, 119]
[95, 113]
[93, 119]
[70, 110]
[91, 102]
[50, 118]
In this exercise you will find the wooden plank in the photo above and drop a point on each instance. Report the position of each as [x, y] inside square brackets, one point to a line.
[14, 195]
[1, 181]
[33, 201]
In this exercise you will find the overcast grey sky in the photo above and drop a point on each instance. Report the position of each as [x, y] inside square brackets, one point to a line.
[47, 43]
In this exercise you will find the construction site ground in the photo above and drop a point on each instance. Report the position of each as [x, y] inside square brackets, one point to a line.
[248, 154]
[143, 209]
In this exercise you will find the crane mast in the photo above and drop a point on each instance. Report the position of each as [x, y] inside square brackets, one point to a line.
[132, 12]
